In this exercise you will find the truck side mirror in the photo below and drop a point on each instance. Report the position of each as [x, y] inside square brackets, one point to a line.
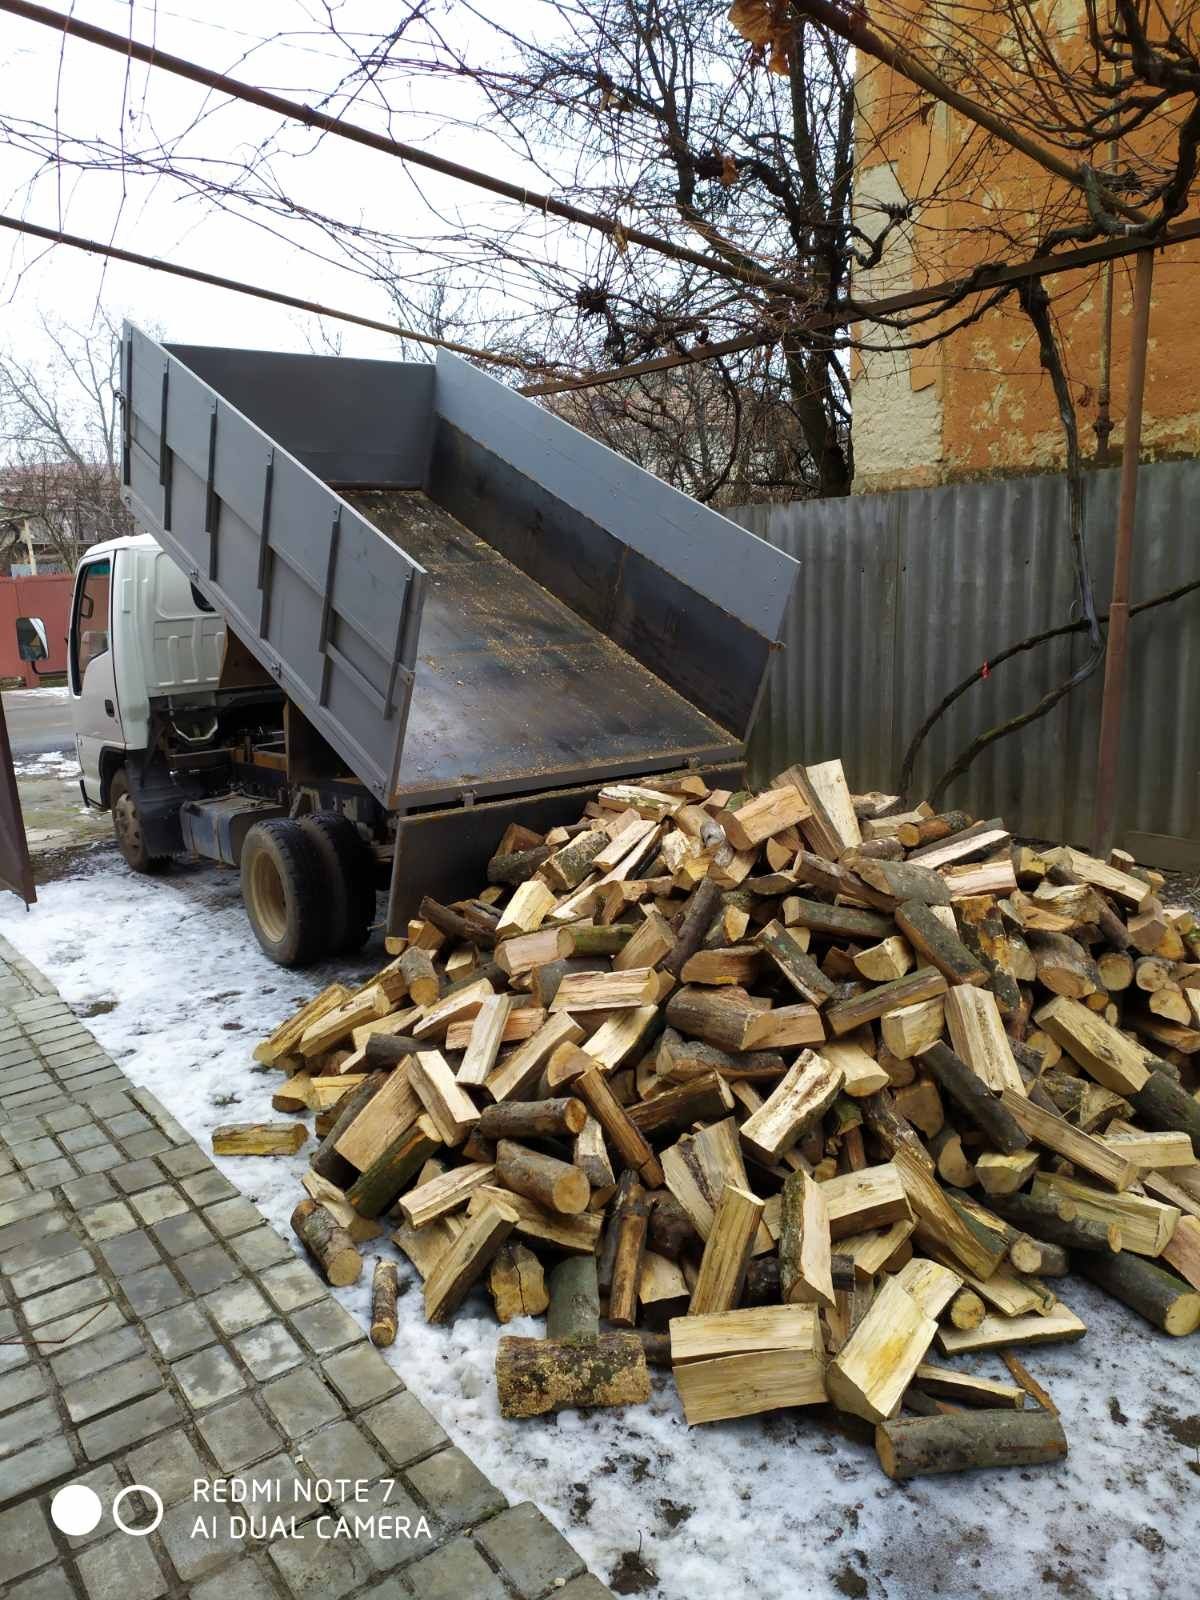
[32, 643]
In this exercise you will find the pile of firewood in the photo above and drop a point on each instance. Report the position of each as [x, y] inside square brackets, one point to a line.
[789, 1089]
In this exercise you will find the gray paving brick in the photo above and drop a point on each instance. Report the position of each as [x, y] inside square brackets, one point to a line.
[135, 1175]
[51, 1273]
[128, 1426]
[99, 1158]
[193, 1555]
[325, 1326]
[300, 1402]
[178, 1235]
[122, 1568]
[88, 1191]
[452, 1572]
[260, 1249]
[155, 1205]
[103, 1481]
[404, 1428]
[290, 1481]
[268, 1350]
[529, 1550]
[51, 1583]
[18, 1388]
[405, 1536]
[236, 1306]
[111, 1103]
[107, 1221]
[113, 1387]
[207, 1269]
[29, 1469]
[342, 1451]
[20, 1209]
[323, 1568]
[153, 1289]
[129, 1253]
[71, 1297]
[80, 1326]
[25, 1541]
[129, 1122]
[69, 1119]
[207, 1377]
[242, 1581]
[12, 1187]
[238, 1434]
[292, 1284]
[205, 1188]
[49, 1174]
[34, 1150]
[81, 1137]
[169, 1464]
[455, 1488]
[180, 1331]
[185, 1162]
[360, 1375]
[23, 1243]
[27, 1424]
[150, 1143]
[92, 1355]
[229, 1217]
[588, 1587]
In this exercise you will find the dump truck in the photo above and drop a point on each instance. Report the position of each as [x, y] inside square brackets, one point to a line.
[375, 611]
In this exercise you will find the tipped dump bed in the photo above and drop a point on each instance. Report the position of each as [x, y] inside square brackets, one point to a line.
[462, 593]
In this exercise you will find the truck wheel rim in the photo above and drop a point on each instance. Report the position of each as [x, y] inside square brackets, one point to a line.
[129, 834]
[268, 899]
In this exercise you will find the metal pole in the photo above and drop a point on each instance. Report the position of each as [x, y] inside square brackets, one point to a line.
[1115, 659]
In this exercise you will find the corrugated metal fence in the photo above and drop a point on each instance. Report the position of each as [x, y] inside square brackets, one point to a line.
[902, 594]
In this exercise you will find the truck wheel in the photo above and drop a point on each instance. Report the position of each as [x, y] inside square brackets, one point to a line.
[283, 889]
[349, 869]
[127, 826]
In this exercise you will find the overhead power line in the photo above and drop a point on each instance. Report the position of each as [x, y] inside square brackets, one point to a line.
[981, 281]
[952, 290]
[296, 111]
[157, 264]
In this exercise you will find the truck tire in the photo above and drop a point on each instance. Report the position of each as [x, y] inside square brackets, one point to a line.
[349, 869]
[127, 827]
[283, 889]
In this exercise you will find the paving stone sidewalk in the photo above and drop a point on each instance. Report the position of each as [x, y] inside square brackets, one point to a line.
[154, 1330]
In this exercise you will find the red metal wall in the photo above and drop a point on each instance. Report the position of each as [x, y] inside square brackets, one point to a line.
[46, 597]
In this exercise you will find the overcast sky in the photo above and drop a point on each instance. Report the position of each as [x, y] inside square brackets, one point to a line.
[84, 91]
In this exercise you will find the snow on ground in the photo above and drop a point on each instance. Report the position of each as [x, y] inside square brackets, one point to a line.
[171, 981]
[50, 692]
[50, 764]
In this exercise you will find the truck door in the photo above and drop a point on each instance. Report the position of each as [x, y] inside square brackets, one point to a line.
[95, 712]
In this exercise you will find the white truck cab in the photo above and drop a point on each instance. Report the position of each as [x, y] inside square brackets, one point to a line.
[141, 636]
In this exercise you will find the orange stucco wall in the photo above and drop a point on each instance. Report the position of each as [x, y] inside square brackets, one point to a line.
[977, 403]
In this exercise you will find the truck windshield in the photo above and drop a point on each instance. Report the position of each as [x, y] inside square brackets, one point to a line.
[89, 625]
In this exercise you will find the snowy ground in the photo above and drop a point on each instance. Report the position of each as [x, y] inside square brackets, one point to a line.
[170, 980]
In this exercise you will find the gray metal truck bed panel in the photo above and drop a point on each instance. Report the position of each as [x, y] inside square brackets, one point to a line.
[513, 690]
[457, 590]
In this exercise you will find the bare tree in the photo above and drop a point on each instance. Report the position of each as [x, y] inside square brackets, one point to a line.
[59, 445]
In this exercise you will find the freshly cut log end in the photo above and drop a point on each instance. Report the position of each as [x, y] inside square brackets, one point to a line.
[1160, 1297]
[552, 1183]
[327, 1242]
[534, 1376]
[917, 1447]
[384, 1289]
[259, 1138]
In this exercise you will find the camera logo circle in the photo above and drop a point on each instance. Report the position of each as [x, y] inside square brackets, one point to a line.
[151, 1494]
[76, 1510]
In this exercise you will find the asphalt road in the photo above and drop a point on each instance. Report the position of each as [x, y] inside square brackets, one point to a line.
[39, 720]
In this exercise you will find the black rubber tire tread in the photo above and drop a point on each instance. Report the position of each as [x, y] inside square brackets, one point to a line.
[306, 933]
[137, 857]
[349, 870]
